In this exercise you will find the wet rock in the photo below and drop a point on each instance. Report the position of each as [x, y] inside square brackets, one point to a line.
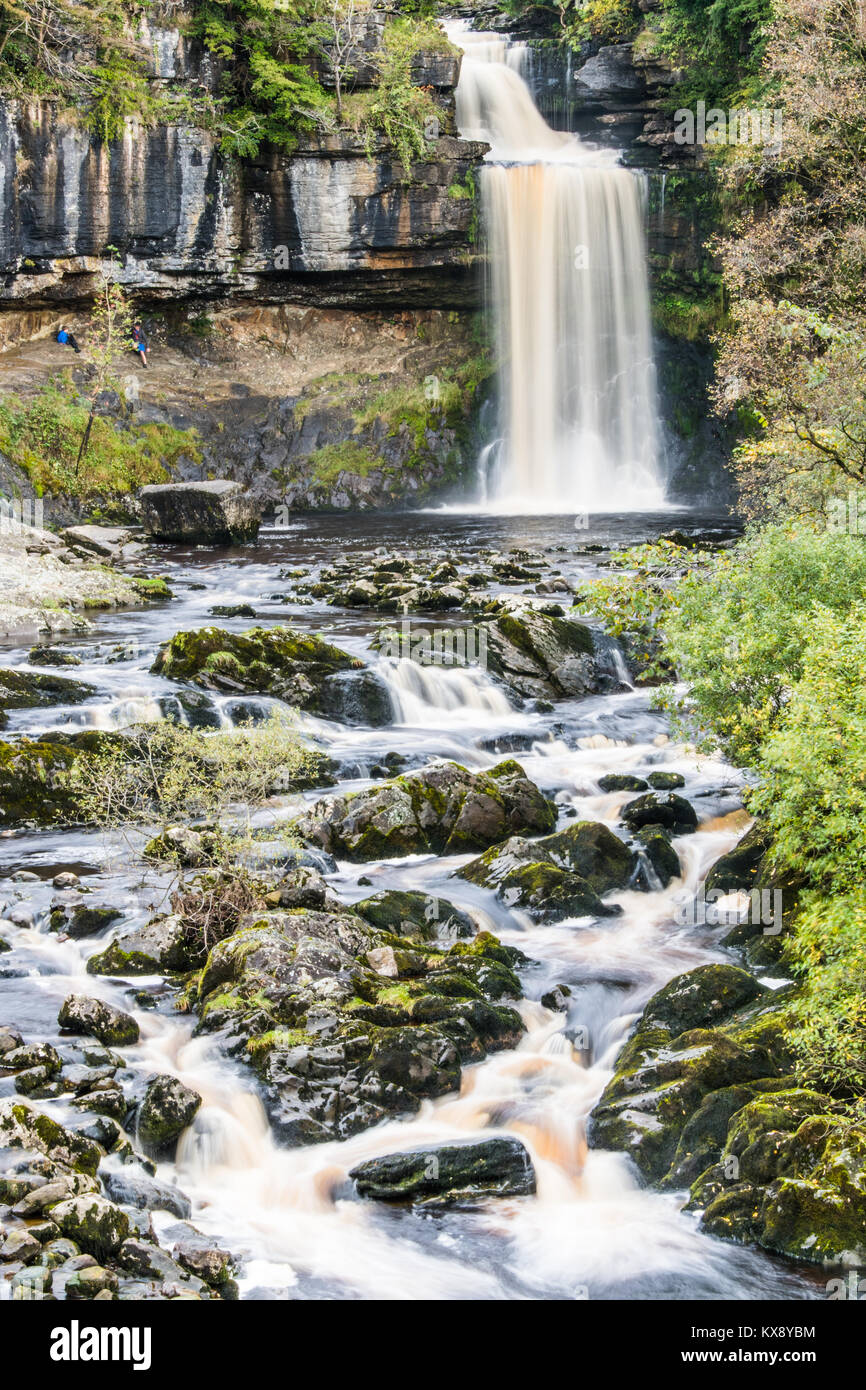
[82, 919]
[90, 1283]
[449, 1172]
[417, 916]
[97, 1226]
[20, 1245]
[622, 782]
[357, 698]
[37, 689]
[557, 876]
[443, 809]
[166, 1110]
[665, 781]
[339, 1046]
[666, 809]
[738, 869]
[660, 854]
[161, 945]
[65, 880]
[179, 844]
[80, 1013]
[200, 1255]
[32, 1055]
[36, 785]
[24, 1127]
[541, 655]
[134, 1189]
[711, 1028]
[211, 513]
[299, 668]
[10, 1039]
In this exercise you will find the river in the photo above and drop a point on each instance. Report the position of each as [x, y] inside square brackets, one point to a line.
[290, 1215]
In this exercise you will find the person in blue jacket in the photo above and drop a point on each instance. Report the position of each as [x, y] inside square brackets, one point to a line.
[68, 339]
[139, 342]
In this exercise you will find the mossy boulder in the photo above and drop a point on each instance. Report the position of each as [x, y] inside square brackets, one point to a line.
[417, 916]
[542, 655]
[441, 810]
[93, 1017]
[166, 1110]
[700, 998]
[660, 854]
[83, 918]
[37, 689]
[666, 809]
[679, 1053]
[448, 1172]
[299, 668]
[161, 945]
[622, 782]
[738, 869]
[346, 1024]
[557, 876]
[97, 1226]
[37, 782]
[24, 1127]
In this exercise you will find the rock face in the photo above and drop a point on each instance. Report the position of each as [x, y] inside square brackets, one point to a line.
[492, 1168]
[439, 810]
[333, 223]
[541, 655]
[214, 513]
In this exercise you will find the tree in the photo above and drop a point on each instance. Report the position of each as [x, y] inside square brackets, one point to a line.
[346, 22]
[110, 329]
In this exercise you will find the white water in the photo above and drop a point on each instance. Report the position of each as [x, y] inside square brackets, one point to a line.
[569, 295]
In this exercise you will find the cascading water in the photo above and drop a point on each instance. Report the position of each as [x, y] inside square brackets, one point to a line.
[569, 294]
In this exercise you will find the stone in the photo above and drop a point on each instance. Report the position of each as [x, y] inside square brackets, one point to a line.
[622, 782]
[220, 512]
[666, 809]
[82, 919]
[133, 1189]
[417, 916]
[98, 1226]
[163, 944]
[80, 1013]
[200, 1255]
[448, 1172]
[20, 1245]
[166, 1110]
[38, 689]
[443, 809]
[660, 853]
[90, 1283]
[665, 781]
[737, 870]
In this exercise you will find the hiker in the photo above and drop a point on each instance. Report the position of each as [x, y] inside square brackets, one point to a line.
[68, 339]
[139, 342]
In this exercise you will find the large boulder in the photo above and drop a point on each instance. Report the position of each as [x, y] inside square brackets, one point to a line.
[557, 876]
[94, 1018]
[542, 655]
[97, 1226]
[214, 513]
[299, 668]
[448, 1172]
[737, 870]
[347, 1025]
[714, 1027]
[417, 916]
[440, 810]
[163, 944]
[673, 813]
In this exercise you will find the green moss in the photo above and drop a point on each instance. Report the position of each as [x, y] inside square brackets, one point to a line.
[279, 1037]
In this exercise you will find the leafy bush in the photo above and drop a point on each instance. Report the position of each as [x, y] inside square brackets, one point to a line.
[42, 436]
[737, 632]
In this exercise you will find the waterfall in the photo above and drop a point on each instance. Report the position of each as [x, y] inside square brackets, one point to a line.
[569, 296]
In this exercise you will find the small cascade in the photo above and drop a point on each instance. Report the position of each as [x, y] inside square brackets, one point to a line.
[423, 694]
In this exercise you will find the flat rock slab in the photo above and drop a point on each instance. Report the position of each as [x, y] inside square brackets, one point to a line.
[215, 513]
[492, 1168]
